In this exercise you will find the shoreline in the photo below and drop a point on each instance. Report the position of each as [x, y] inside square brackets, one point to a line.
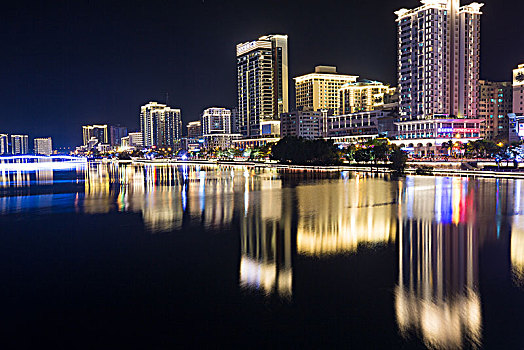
[450, 172]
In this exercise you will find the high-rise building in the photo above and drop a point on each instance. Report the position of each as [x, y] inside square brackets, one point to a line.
[216, 121]
[438, 59]
[495, 104]
[4, 144]
[262, 72]
[116, 133]
[43, 146]
[98, 132]
[216, 128]
[518, 90]
[320, 90]
[194, 129]
[363, 96]
[161, 125]
[19, 144]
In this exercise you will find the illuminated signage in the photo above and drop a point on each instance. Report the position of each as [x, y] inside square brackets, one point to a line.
[458, 130]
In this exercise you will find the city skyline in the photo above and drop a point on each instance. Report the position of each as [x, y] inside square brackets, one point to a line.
[70, 88]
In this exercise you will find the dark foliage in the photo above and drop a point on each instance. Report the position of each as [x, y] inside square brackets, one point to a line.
[292, 150]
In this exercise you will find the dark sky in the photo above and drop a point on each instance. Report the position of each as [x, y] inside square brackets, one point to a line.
[68, 63]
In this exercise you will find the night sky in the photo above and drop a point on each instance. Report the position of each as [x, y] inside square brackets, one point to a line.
[68, 63]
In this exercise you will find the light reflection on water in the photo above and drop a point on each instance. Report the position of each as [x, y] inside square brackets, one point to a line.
[438, 224]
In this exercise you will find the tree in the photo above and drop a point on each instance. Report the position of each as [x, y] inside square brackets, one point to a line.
[292, 150]
[398, 160]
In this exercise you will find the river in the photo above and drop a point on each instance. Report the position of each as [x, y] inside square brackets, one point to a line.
[218, 256]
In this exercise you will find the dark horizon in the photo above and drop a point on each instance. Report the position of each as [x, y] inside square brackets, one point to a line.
[72, 64]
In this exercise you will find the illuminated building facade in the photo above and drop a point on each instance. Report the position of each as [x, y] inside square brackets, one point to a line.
[194, 129]
[161, 125]
[425, 137]
[43, 146]
[363, 96]
[116, 133]
[496, 102]
[19, 144]
[362, 126]
[216, 121]
[216, 126]
[136, 139]
[320, 90]
[4, 144]
[438, 59]
[262, 73]
[98, 132]
[518, 90]
[304, 124]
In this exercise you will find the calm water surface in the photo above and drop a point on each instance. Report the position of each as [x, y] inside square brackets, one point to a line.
[155, 257]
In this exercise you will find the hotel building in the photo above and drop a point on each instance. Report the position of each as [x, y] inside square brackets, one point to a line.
[262, 72]
[161, 125]
[518, 90]
[438, 59]
[496, 102]
[43, 146]
[4, 144]
[320, 90]
[216, 128]
[363, 96]
[98, 132]
[19, 144]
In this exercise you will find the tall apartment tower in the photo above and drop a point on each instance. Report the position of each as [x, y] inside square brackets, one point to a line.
[518, 90]
[438, 59]
[495, 104]
[216, 121]
[161, 125]
[43, 146]
[263, 84]
[98, 132]
[4, 144]
[19, 144]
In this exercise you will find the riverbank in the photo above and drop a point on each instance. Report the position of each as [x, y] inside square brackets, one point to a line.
[437, 169]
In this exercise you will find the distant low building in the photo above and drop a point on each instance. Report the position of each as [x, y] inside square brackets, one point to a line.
[425, 137]
[136, 139]
[304, 124]
[43, 146]
[194, 129]
[360, 127]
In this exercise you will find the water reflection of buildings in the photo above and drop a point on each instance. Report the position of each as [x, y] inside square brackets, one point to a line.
[437, 294]
[338, 217]
[163, 194]
[266, 248]
[517, 236]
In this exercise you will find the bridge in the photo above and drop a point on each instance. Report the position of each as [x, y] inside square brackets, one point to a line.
[32, 163]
